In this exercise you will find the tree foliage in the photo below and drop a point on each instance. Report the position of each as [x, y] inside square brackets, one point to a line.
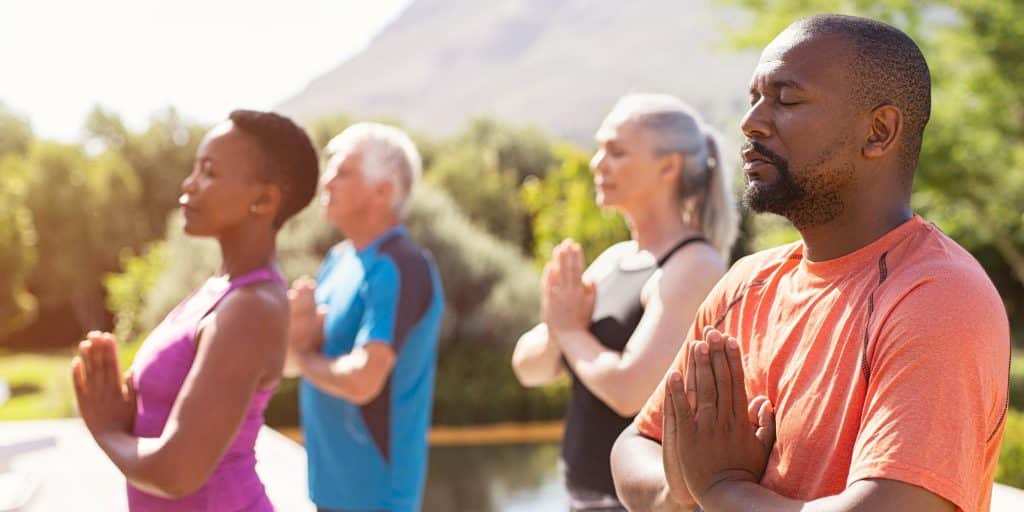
[15, 132]
[160, 157]
[17, 250]
[562, 206]
[482, 168]
[84, 211]
[74, 212]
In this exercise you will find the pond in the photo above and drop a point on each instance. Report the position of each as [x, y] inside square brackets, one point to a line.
[495, 478]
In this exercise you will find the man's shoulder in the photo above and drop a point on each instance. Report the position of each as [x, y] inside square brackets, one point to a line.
[402, 264]
[934, 284]
[930, 262]
[407, 256]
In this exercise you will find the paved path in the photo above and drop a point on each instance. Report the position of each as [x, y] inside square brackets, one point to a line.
[69, 472]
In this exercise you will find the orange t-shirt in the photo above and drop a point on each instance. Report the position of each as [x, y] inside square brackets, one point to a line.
[890, 362]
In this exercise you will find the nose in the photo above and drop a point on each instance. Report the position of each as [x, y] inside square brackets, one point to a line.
[598, 160]
[326, 179]
[188, 185]
[756, 124]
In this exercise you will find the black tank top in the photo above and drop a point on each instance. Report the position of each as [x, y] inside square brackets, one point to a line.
[591, 427]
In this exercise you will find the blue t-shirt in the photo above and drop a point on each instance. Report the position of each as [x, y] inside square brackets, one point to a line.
[374, 457]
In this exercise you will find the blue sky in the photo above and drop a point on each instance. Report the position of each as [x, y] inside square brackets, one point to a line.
[59, 58]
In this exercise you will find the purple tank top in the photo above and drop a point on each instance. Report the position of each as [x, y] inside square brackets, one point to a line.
[159, 371]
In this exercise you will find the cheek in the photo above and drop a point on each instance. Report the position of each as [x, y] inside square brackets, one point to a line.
[615, 168]
[808, 132]
[347, 196]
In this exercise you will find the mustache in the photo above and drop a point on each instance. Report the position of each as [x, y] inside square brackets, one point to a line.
[763, 150]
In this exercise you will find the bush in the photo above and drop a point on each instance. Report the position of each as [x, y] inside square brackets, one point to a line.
[1016, 394]
[475, 385]
[128, 290]
[1011, 456]
[482, 168]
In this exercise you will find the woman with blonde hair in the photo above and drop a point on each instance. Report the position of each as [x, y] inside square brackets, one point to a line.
[616, 326]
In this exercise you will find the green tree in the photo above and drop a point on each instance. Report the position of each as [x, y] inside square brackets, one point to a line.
[483, 166]
[562, 206]
[15, 132]
[84, 211]
[17, 249]
[471, 175]
[128, 289]
[160, 157]
[522, 151]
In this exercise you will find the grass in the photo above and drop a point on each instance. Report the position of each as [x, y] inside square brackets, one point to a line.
[40, 385]
[1011, 455]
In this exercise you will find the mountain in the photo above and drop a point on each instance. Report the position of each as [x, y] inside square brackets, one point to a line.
[557, 64]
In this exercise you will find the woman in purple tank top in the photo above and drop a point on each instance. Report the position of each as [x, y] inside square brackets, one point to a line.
[182, 423]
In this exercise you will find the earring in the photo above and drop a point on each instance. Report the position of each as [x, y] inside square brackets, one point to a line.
[252, 209]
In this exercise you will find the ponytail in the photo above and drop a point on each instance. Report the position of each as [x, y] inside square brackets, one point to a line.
[718, 218]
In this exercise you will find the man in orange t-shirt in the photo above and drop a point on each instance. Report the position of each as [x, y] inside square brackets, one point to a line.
[881, 344]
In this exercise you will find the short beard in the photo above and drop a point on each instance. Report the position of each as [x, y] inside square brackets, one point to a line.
[806, 201]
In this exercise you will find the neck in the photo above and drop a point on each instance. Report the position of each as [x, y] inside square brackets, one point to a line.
[852, 230]
[657, 227]
[246, 249]
[371, 228]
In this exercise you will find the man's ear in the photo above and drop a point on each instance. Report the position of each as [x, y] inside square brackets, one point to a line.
[885, 128]
[384, 191]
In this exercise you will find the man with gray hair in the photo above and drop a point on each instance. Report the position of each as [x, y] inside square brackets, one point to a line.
[363, 336]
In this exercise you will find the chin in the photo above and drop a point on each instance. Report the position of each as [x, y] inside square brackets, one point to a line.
[756, 197]
[603, 200]
[194, 228]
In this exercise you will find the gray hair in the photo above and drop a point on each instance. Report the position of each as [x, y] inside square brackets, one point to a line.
[704, 189]
[388, 153]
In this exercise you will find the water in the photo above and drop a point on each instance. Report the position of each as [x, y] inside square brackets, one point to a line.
[495, 478]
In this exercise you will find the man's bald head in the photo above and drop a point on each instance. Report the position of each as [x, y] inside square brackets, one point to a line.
[886, 68]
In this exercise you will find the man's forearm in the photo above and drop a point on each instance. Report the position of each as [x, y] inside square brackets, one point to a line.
[332, 376]
[874, 495]
[640, 477]
[731, 495]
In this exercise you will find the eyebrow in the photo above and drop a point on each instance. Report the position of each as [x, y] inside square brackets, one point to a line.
[777, 84]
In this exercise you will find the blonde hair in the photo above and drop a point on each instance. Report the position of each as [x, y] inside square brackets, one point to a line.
[704, 188]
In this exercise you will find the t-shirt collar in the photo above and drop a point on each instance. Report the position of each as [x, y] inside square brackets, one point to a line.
[868, 254]
[398, 230]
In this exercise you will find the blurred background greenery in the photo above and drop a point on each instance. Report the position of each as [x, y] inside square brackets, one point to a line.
[90, 236]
